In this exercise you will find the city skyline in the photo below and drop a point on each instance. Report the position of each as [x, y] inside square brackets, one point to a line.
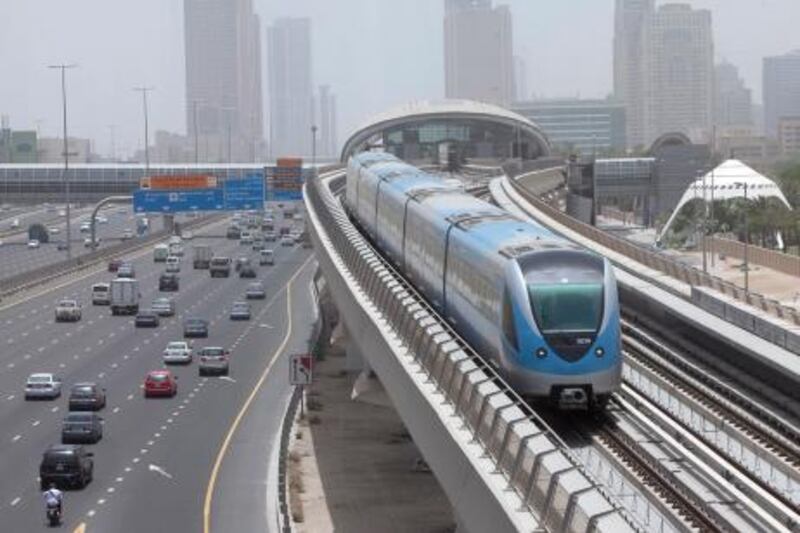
[400, 71]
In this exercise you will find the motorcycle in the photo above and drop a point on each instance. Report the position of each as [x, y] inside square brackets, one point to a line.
[54, 515]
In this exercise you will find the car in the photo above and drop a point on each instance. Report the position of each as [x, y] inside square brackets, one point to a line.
[266, 257]
[220, 266]
[86, 227]
[258, 243]
[15, 223]
[233, 233]
[66, 466]
[213, 360]
[240, 262]
[101, 219]
[246, 239]
[42, 386]
[160, 383]
[247, 271]
[87, 396]
[287, 240]
[33, 244]
[163, 306]
[81, 427]
[173, 264]
[114, 264]
[127, 235]
[146, 318]
[240, 311]
[68, 310]
[270, 236]
[101, 294]
[255, 291]
[195, 327]
[177, 352]
[169, 282]
[53, 230]
[126, 270]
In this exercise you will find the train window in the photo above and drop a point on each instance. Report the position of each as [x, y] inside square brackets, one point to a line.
[509, 328]
[567, 307]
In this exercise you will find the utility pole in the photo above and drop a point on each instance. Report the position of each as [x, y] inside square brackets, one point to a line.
[144, 91]
[314, 150]
[746, 242]
[65, 177]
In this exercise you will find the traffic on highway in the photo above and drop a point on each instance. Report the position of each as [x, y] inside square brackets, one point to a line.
[120, 384]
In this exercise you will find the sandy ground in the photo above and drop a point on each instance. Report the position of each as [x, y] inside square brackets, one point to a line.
[359, 468]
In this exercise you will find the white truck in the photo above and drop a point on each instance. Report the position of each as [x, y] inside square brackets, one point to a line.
[202, 256]
[125, 296]
[160, 253]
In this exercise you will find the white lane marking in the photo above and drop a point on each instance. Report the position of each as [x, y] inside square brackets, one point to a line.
[27, 356]
[110, 490]
[101, 501]
[119, 479]
[128, 469]
[157, 469]
[130, 396]
[15, 501]
[10, 397]
[62, 365]
[143, 451]
[91, 513]
[151, 442]
[11, 365]
[54, 409]
[101, 375]
[163, 428]
[16, 438]
[36, 423]
[227, 378]
[41, 349]
[136, 460]
[115, 410]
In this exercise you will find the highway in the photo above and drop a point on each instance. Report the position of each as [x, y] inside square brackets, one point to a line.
[153, 466]
[16, 258]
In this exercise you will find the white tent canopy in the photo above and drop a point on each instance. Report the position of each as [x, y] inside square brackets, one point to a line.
[725, 182]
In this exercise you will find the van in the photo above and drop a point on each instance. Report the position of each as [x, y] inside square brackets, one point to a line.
[101, 294]
[267, 257]
[160, 253]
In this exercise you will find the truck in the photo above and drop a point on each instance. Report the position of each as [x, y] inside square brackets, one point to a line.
[160, 253]
[125, 296]
[202, 256]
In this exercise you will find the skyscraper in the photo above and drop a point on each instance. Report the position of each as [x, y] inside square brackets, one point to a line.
[478, 51]
[290, 87]
[223, 78]
[734, 101]
[327, 122]
[632, 20]
[681, 86]
[781, 89]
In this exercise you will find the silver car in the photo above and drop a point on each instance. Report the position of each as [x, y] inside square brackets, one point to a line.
[43, 385]
[163, 306]
[213, 360]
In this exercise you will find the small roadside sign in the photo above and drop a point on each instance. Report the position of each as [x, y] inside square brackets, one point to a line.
[300, 369]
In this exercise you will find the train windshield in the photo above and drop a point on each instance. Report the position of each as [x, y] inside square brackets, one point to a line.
[567, 307]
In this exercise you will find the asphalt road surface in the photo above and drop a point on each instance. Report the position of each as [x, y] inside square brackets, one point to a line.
[161, 465]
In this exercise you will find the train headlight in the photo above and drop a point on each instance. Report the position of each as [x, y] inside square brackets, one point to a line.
[541, 353]
[599, 351]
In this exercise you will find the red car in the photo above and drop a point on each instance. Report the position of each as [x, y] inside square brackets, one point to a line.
[114, 265]
[160, 383]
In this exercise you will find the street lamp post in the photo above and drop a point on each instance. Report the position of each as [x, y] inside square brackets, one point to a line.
[196, 137]
[746, 242]
[65, 177]
[705, 227]
[144, 91]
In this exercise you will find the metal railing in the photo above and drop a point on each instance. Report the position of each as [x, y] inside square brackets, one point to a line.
[535, 463]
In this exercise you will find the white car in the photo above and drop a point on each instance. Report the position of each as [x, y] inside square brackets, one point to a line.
[178, 352]
[54, 230]
[87, 242]
[33, 244]
[173, 264]
[287, 240]
[127, 234]
[42, 386]
[86, 227]
[68, 311]
[101, 219]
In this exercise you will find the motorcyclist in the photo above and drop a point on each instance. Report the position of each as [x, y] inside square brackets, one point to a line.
[53, 498]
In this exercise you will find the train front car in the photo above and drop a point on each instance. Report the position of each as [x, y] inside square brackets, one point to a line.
[566, 326]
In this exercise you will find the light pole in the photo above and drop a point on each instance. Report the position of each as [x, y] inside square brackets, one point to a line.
[144, 91]
[194, 127]
[746, 242]
[314, 149]
[65, 177]
[228, 110]
[705, 227]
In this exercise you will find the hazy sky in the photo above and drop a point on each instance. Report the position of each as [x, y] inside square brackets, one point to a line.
[374, 53]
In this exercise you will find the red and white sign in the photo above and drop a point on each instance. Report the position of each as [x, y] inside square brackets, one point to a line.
[301, 368]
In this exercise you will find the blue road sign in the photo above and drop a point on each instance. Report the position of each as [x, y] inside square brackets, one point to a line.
[245, 193]
[155, 201]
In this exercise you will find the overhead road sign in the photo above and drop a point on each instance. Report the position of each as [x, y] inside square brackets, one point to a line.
[301, 366]
[150, 201]
[179, 182]
[285, 181]
[245, 193]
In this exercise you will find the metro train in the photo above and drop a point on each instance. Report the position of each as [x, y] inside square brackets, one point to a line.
[542, 311]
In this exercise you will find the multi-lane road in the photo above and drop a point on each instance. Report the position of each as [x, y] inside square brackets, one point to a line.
[197, 461]
[16, 257]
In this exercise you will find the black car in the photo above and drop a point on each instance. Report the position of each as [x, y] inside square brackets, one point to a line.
[66, 465]
[87, 397]
[234, 232]
[82, 427]
[247, 271]
[169, 282]
[195, 327]
[146, 319]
